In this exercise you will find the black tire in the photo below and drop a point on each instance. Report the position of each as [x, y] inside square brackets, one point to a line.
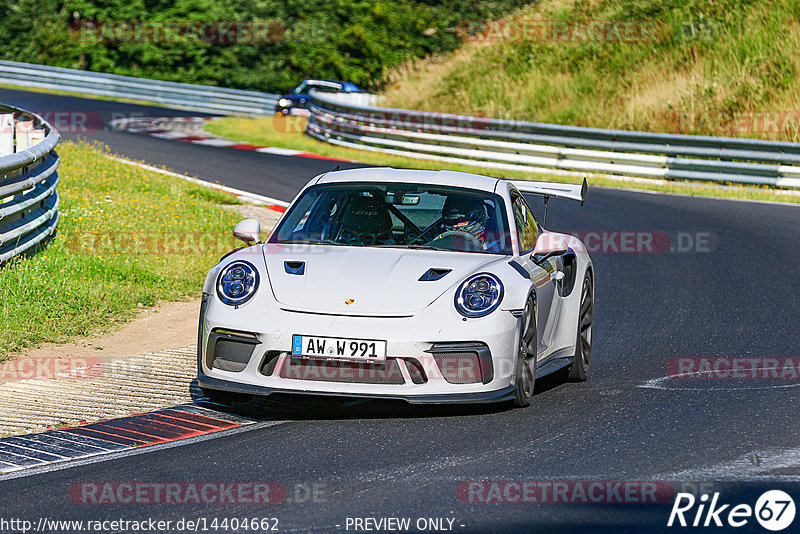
[579, 369]
[225, 397]
[526, 356]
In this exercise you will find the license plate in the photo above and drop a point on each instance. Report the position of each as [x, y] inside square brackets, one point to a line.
[339, 348]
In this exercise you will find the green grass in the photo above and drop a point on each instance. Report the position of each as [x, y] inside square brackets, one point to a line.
[287, 132]
[126, 237]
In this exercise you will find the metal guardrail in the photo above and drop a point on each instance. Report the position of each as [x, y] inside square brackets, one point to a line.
[358, 99]
[28, 180]
[531, 146]
[183, 95]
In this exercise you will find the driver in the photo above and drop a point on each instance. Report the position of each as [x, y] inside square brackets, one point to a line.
[464, 214]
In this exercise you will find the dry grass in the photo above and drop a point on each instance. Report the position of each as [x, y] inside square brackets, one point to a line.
[738, 77]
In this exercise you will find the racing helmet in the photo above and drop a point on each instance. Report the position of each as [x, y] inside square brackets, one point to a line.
[465, 214]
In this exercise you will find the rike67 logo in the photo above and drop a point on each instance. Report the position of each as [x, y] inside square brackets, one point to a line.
[774, 510]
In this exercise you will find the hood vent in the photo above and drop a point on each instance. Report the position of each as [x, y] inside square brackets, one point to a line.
[433, 274]
[295, 267]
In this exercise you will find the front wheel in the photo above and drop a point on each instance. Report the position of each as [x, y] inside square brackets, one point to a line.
[526, 356]
[579, 370]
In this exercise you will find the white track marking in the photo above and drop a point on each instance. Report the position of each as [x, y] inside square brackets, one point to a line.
[279, 151]
[251, 197]
[658, 383]
[169, 135]
[214, 142]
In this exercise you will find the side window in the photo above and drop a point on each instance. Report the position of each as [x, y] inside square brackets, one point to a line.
[527, 228]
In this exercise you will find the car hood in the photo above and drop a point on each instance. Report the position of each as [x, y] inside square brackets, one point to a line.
[363, 280]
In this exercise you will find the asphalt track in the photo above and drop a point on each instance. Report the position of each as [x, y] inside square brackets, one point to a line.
[734, 295]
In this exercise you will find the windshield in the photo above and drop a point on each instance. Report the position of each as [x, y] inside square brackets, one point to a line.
[397, 215]
[323, 87]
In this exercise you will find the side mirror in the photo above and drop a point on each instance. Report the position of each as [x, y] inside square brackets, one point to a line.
[550, 244]
[249, 231]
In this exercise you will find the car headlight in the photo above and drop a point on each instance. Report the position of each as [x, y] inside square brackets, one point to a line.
[284, 102]
[479, 295]
[237, 283]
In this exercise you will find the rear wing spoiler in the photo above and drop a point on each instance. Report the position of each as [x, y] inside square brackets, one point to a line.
[575, 192]
[552, 189]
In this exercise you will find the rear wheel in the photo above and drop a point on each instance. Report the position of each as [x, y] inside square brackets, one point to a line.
[526, 356]
[579, 370]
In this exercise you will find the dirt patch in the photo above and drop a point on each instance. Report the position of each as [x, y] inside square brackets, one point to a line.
[168, 325]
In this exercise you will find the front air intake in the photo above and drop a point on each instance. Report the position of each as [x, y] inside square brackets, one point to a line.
[416, 371]
[463, 363]
[229, 351]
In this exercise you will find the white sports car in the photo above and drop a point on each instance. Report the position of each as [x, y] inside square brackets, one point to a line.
[431, 287]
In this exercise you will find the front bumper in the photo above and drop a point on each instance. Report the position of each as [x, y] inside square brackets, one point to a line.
[500, 395]
[415, 370]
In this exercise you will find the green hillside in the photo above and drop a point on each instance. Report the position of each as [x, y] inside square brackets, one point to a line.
[718, 67]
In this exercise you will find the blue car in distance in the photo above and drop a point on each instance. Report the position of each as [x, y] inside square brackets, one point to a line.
[298, 98]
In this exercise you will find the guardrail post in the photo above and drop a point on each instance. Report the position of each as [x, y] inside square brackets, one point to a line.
[23, 129]
[36, 136]
[6, 134]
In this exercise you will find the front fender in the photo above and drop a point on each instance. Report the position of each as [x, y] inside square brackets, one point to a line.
[517, 283]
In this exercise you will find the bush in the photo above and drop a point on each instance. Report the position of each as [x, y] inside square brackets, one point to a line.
[353, 40]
